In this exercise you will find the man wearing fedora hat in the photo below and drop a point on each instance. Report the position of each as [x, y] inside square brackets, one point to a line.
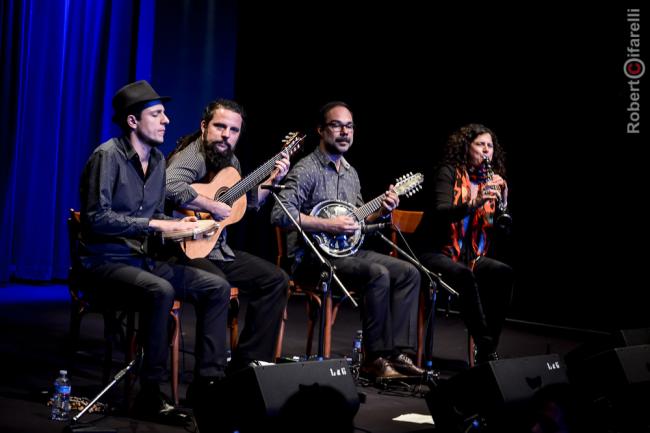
[122, 204]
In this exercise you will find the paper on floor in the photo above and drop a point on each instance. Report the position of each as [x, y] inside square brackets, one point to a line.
[415, 418]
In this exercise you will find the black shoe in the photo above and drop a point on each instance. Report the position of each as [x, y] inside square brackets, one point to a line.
[482, 357]
[202, 388]
[156, 407]
[380, 368]
[403, 364]
[236, 365]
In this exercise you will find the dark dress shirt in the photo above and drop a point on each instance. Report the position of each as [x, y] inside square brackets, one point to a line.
[117, 202]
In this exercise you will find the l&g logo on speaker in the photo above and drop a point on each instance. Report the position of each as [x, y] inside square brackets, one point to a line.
[338, 372]
[553, 365]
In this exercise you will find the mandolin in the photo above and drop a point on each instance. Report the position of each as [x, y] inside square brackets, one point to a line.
[343, 245]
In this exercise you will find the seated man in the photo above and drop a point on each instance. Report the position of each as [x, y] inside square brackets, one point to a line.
[390, 286]
[204, 157]
[122, 201]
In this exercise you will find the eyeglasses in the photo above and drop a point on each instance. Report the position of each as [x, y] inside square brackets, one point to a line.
[338, 126]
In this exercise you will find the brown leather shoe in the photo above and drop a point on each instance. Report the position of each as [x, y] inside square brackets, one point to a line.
[403, 364]
[380, 368]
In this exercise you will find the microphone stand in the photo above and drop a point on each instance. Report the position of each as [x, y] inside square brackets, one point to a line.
[72, 427]
[327, 275]
[428, 345]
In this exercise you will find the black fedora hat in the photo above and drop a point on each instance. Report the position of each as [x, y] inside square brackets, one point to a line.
[134, 94]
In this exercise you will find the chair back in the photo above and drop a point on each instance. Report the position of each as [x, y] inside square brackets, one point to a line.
[407, 221]
[74, 233]
[280, 240]
[74, 273]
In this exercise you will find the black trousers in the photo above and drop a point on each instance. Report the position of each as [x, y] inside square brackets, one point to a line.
[265, 285]
[485, 294]
[151, 289]
[390, 291]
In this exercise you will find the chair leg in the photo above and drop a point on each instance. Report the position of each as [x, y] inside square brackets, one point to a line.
[471, 350]
[313, 308]
[335, 311]
[130, 350]
[280, 339]
[109, 334]
[233, 313]
[75, 327]
[421, 325]
[130, 337]
[175, 344]
[327, 344]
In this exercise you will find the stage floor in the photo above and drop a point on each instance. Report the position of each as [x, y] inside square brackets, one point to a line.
[35, 321]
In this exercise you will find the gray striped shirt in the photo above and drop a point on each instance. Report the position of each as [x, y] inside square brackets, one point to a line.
[187, 167]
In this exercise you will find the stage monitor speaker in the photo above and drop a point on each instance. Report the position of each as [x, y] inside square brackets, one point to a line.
[632, 337]
[261, 394]
[576, 358]
[614, 370]
[489, 389]
[617, 382]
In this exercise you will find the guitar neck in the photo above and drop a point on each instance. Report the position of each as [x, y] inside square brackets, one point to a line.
[250, 181]
[407, 184]
[362, 212]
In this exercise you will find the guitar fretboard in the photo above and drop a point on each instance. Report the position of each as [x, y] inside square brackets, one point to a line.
[362, 212]
[250, 181]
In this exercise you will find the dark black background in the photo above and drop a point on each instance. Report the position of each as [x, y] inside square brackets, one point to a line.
[549, 81]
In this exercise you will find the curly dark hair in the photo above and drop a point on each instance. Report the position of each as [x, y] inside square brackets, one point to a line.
[457, 147]
[208, 112]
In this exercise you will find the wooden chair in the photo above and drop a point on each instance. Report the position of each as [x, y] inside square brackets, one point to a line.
[408, 222]
[313, 303]
[121, 324]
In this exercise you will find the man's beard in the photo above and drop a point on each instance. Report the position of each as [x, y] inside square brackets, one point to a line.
[214, 160]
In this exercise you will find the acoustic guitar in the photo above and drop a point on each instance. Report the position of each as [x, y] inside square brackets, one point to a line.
[228, 187]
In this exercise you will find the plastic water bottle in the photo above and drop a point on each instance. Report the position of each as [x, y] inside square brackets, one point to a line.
[61, 398]
[357, 348]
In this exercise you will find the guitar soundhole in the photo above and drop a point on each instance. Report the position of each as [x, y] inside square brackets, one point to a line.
[221, 191]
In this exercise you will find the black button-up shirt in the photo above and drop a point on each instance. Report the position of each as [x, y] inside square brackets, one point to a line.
[117, 202]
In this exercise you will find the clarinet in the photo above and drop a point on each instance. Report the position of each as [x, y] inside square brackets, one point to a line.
[502, 219]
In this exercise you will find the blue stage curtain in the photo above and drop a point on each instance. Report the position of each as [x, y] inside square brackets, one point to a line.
[61, 62]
